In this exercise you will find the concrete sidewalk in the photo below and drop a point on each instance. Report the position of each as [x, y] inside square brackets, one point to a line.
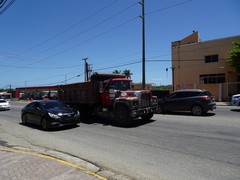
[19, 164]
[222, 104]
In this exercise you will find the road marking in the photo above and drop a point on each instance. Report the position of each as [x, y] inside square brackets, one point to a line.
[56, 159]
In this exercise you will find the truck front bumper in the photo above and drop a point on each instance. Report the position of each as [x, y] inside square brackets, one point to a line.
[143, 111]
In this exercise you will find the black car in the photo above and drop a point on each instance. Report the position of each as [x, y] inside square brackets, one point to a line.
[49, 113]
[194, 100]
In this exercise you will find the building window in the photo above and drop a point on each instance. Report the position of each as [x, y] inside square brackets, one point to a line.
[212, 78]
[211, 58]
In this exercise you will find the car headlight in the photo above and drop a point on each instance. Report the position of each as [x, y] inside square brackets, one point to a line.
[53, 116]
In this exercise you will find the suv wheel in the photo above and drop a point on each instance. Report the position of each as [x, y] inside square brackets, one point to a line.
[197, 110]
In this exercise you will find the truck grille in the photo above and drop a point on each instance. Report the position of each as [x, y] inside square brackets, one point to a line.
[145, 100]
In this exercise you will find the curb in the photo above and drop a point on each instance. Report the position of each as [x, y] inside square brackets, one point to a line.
[66, 159]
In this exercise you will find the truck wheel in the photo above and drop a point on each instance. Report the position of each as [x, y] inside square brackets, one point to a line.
[122, 115]
[147, 117]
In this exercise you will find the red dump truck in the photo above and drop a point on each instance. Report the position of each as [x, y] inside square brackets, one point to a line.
[109, 95]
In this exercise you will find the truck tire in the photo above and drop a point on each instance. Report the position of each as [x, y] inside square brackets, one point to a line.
[122, 116]
[147, 117]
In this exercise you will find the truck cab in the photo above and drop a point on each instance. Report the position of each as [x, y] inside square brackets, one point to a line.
[111, 89]
[126, 104]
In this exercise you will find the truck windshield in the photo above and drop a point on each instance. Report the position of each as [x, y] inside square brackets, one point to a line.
[121, 85]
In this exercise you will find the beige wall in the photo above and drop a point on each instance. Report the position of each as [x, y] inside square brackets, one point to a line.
[138, 86]
[188, 63]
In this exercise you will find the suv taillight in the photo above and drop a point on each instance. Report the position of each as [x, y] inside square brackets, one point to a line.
[205, 98]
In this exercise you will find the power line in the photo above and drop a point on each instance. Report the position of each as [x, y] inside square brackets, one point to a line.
[69, 28]
[86, 41]
[131, 63]
[86, 30]
[92, 38]
[111, 67]
[168, 7]
[74, 36]
[32, 67]
[3, 2]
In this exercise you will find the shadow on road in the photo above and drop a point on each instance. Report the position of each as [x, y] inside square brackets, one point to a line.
[51, 129]
[184, 113]
[111, 122]
[235, 110]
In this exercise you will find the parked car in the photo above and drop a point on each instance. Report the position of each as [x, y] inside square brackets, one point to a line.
[194, 100]
[4, 105]
[49, 114]
[235, 101]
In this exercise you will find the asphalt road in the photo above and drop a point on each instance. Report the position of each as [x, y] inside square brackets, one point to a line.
[171, 146]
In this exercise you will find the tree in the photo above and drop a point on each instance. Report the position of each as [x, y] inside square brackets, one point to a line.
[234, 58]
[116, 72]
[127, 73]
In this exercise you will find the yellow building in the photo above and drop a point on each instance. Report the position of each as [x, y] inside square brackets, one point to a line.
[203, 65]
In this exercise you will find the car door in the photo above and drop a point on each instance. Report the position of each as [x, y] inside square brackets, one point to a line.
[178, 102]
[171, 102]
[37, 112]
[185, 101]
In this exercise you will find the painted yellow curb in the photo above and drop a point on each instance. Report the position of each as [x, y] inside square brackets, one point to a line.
[56, 159]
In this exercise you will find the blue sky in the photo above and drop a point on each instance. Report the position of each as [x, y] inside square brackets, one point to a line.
[44, 42]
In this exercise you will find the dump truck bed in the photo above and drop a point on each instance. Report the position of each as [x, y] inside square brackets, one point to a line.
[83, 93]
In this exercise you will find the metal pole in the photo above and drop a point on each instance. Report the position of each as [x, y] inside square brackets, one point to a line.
[85, 69]
[143, 47]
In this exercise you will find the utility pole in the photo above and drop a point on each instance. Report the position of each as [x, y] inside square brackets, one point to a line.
[89, 70]
[143, 46]
[85, 69]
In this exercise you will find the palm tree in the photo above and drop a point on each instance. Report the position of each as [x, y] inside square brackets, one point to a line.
[116, 72]
[127, 73]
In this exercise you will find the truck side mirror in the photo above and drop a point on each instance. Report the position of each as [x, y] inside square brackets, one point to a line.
[101, 87]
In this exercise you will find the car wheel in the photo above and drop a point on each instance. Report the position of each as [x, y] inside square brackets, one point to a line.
[24, 119]
[44, 124]
[197, 110]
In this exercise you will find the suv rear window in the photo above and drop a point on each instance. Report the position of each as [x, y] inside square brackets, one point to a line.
[206, 93]
[187, 94]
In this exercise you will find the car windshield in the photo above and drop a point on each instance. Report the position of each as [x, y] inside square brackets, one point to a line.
[2, 101]
[53, 105]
